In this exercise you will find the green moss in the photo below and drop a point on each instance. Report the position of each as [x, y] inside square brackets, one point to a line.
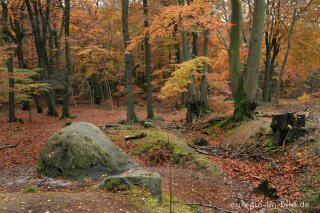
[30, 189]
[134, 120]
[158, 118]
[218, 124]
[242, 109]
[147, 146]
[114, 185]
[142, 200]
[203, 163]
[182, 154]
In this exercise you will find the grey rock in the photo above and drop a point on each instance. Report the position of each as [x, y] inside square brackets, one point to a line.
[151, 181]
[80, 151]
[147, 124]
[200, 142]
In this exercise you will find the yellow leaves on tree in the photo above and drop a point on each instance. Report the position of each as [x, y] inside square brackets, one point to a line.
[180, 78]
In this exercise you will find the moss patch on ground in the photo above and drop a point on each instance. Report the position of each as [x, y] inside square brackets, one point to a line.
[161, 142]
[142, 200]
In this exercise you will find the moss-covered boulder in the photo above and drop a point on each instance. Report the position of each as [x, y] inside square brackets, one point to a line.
[141, 178]
[79, 151]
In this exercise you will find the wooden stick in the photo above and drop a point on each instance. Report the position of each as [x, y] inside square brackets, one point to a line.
[8, 146]
[264, 116]
[210, 206]
[142, 135]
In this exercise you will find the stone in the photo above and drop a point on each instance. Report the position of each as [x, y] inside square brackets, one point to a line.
[147, 124]
[80, 151]
[150, 181]
[200, 142]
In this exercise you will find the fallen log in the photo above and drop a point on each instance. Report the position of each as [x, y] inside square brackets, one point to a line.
[199, 150]
[142, 135]
[8, 146]
[264, 115]
[109, 126]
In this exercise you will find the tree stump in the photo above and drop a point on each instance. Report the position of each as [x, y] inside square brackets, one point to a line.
[287, 127]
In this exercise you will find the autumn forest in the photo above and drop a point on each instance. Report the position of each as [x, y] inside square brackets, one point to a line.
[160, 106]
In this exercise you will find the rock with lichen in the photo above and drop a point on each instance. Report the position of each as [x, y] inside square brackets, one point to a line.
[80, 151]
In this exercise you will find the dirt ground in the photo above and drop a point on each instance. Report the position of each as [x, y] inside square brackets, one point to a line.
[17, 169]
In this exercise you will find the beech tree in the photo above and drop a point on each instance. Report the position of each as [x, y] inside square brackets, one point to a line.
[9, 61]
[131, 116]
[65, 109]
[244, 86]
[39, 19]
[147, 61]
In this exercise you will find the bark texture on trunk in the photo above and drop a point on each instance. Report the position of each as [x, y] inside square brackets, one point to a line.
[65, 110]
[284, 63]
[9, 63]
[39, 22]
[150, 114]
[250, 83]
[131, 116]
[244, 87]
[204, 84]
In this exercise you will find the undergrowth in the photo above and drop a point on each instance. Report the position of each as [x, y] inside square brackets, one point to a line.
[142, 200]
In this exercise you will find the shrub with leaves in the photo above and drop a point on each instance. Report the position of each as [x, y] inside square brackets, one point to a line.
[180, 78]
[25, 85]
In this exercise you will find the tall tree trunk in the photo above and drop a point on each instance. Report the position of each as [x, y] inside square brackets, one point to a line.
[251, 83]
[244, 87]
[150, 114]
[131, 116]
[40, 37]
[190, 98]
[234, 50]
[234, 58]
[194, 109]
[6, 39]
[65, 109]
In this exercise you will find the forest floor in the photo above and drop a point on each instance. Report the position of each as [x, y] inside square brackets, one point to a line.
[220, 182]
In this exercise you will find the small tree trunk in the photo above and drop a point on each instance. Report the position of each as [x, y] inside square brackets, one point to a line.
[107, 85]
[12, 116]
[266, 83]
[102, 93]
[278, 91]
[204, 85]
[90, 93]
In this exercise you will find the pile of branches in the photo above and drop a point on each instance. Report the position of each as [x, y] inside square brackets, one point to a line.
[257, 151]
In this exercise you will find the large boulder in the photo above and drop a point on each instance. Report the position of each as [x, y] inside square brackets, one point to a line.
[81, 150]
